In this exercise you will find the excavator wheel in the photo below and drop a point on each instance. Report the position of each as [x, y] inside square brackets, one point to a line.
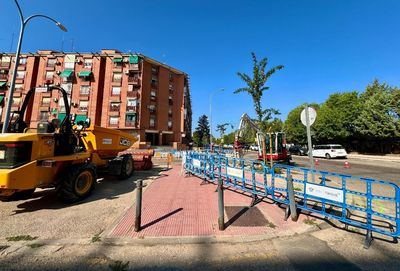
[126, 167]
[19, 195]
[77, 183]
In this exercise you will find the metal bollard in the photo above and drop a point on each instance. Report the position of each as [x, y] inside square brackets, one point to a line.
[138, 214]
[221, 217]
[292, 201]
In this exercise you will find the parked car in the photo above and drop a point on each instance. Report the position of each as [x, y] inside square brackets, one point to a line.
[254, 148]
[297, 150]
[329, 151]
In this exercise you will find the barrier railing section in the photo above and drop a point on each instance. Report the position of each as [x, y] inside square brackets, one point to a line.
[370, 204]
[366, 203]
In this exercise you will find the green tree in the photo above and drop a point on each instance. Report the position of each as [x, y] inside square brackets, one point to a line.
[336, 117]
[296, 132]
[221, 128]
[378, 122]
[256, 85]
[201, 136]
[229, 138]
[276, 125]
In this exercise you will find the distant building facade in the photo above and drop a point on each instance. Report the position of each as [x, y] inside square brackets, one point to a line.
[129, 92]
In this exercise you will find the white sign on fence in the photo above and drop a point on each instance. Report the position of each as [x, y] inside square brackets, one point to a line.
[324, 192]
[196, 163]
[234, 172]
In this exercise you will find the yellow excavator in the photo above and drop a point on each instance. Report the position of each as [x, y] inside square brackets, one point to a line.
[59, 154]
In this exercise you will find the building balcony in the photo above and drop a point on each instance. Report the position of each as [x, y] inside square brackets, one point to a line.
[134, 81]
[133, 67]
[131, 123]
[4, 76]
[4, 65]
[114, 108]
[131, 108]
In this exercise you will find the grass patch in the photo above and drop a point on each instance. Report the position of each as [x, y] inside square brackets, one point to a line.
[119, 266]
[36, 245]
[310, 222]
[96, 237]
[21, 238]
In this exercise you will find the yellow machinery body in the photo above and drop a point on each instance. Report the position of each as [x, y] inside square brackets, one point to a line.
[42, 167]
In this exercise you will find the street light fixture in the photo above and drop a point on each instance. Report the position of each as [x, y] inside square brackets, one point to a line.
[211, 95]
[24, 22]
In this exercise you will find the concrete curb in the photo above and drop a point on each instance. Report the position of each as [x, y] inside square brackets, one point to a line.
[374, 158]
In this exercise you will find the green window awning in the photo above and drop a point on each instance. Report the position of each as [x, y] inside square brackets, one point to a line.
[117, 60]
[3, 84]
[84, 73]
[80, 118]
[1, 98]
[61, 116]
[133, 59]
[66, 73]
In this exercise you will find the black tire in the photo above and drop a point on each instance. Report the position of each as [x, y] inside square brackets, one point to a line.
[327, 156]
[20, 195]
[126, 167]
[69, 188]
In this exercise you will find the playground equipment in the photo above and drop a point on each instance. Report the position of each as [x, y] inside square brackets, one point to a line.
[59, 154]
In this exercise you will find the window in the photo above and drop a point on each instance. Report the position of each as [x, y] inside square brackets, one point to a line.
[62, 105]
[87, 64]
[69, 61]
[67, 87]
[51, 62]
[170, 111]
[152, 108]
[43, 115]
[171, 77]
[84, 90]
[69, 65]
[115, 106]
[46, 101]
[16, 100]
[131, 117]
[117, 77]
[5, 61]
[20, 74]
[19, 86]
[22, 61]
[153, 95]
[169, 123]
[114, 120]
[152, 121]
[154, 78]
[154, 69]
[170, 101]
[116, 91]
[171, 87]
[132, 102]
[49, 75]
[83, 105]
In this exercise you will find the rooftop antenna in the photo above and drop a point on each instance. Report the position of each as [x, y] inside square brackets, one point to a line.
[62, 43]
[12, 41]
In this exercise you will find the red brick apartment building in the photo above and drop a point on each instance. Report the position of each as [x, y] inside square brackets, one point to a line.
[129, 92]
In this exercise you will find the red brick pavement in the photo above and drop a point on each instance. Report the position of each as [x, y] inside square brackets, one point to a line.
[174, 205]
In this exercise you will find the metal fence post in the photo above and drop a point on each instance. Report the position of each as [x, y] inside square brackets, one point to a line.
[138, 214]
[292, 201]
[221, 218]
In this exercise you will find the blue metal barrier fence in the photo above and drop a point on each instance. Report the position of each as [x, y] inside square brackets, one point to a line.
[373, 205]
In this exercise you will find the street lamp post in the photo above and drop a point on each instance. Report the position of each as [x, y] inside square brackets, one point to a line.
[211, 95]
[24, 22]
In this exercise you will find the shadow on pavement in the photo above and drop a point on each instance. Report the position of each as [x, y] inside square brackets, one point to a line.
[107, 187]
[161, 218]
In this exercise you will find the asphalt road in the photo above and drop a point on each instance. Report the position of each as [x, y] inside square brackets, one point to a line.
[382, 170]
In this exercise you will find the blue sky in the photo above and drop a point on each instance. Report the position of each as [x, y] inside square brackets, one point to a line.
[325, 46]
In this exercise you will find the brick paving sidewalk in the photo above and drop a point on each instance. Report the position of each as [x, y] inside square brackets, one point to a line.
[174, 205]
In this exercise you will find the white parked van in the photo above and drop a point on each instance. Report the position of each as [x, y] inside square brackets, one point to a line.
[329, 151]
